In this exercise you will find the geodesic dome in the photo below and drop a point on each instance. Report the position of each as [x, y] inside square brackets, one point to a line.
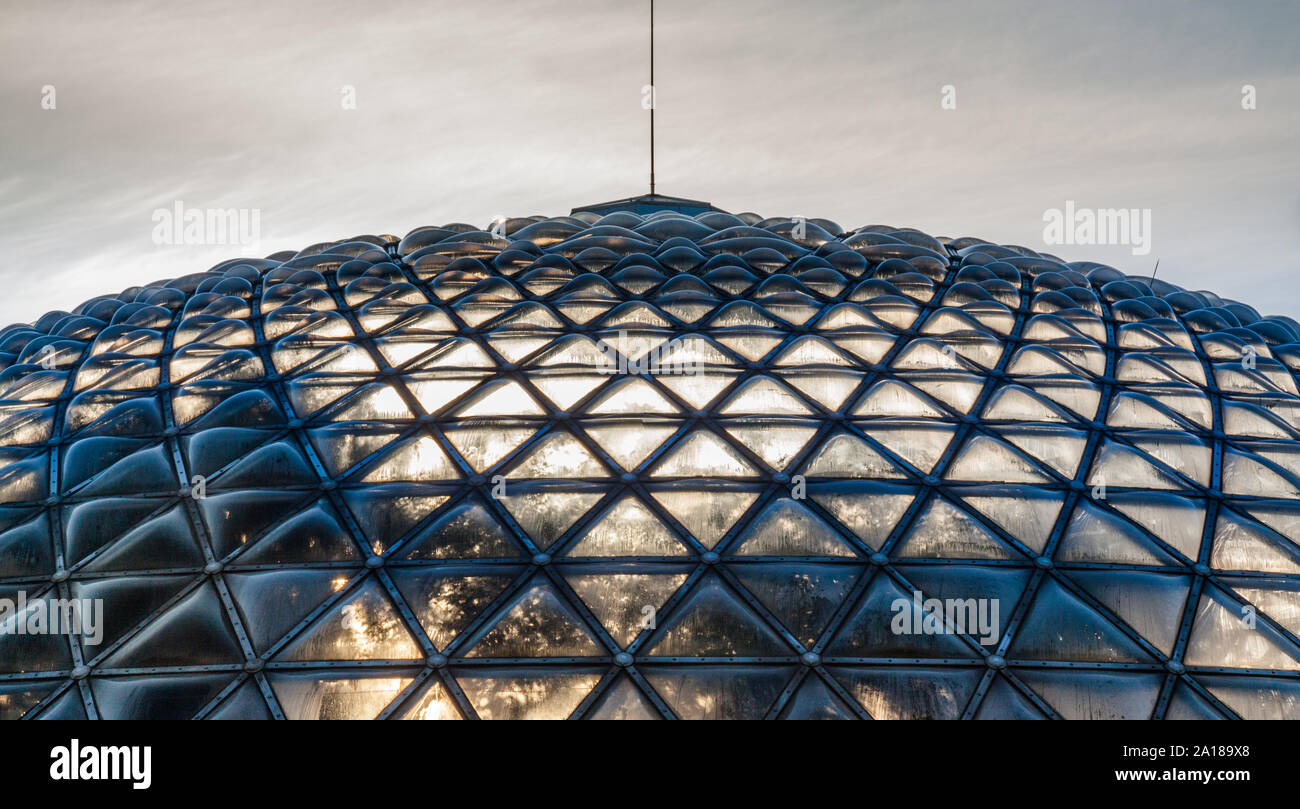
[653, 464]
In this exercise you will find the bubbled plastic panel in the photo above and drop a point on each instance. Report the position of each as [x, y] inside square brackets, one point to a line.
[397, 479]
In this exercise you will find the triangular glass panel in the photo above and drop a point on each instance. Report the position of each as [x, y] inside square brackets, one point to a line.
[26, 549]
[1187, 704]
[1150, 603]
[1256, 697]
[1060, 626]
[869, 509]
[337, 695]
[812, 350]
[245, 703]
[919, 443]
[566, 389]
[987, 459]
[1176, 520]
[446, 599]
[845, 455]
[786, 528]
[892, 398]
[752, 344]
[435, 390]
[272, 602]
[906, 692]
[996, 591]
[467, 531]
[693, 352]
[278, 464]
[193, 632]
[33, 627]
[536, 623]
[776, 442]
[558, 455]
[1095, 535]
[435, 704]
[502, 397]
[944, 531]
[156, 696]
[1029, 514]
[363, 626]
[630, 441]
[546, 512]
[484, 445]
[764, 396]
[89, 526]
[420, 458]
[143, 472]
[623, 700]
[1242, 544]
[1247, 474]
[459, 352]
[128, 601]
[342, 446]
[703, 454]
[373, 403]
[513, 346]
[1227, 634]
[1002, 701]
[385, 513]
[1019, 404]
[1080, 396]
[706, 513]
[719, 692]
[700, 388]
[1279, 599]
[829, 388]
[1058, 447]
[1178, 450]
[1095, 694]
[624, 603]
[628, 529]
[814, 700]
[714, 622]
[889, 621]
[1118, 465]
[574, 349]
[513, 694]
[803, 597]
[160, 543]
[310, 536]
[631, 397]
[1283, 517]
[956, 389]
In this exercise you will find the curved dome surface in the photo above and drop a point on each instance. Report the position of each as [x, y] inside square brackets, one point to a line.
[645, 465]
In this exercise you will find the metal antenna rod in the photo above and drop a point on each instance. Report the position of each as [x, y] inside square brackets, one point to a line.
[653, 99]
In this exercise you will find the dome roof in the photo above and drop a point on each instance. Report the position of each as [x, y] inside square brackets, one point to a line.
[641, 464]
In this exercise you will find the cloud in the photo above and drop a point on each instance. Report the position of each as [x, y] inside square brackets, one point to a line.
[465, 112]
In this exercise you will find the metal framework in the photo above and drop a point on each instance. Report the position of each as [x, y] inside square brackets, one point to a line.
[387, 478]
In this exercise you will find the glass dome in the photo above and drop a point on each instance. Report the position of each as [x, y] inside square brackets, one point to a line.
[652, 463]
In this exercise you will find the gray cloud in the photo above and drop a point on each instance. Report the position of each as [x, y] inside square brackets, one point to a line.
[467, 111]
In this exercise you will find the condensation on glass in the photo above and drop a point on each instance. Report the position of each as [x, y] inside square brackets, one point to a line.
[646, 466]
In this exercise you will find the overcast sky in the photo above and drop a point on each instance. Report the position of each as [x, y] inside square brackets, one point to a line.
[466, 111]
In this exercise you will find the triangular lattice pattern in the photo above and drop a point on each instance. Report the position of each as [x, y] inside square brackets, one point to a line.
[645, 466]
